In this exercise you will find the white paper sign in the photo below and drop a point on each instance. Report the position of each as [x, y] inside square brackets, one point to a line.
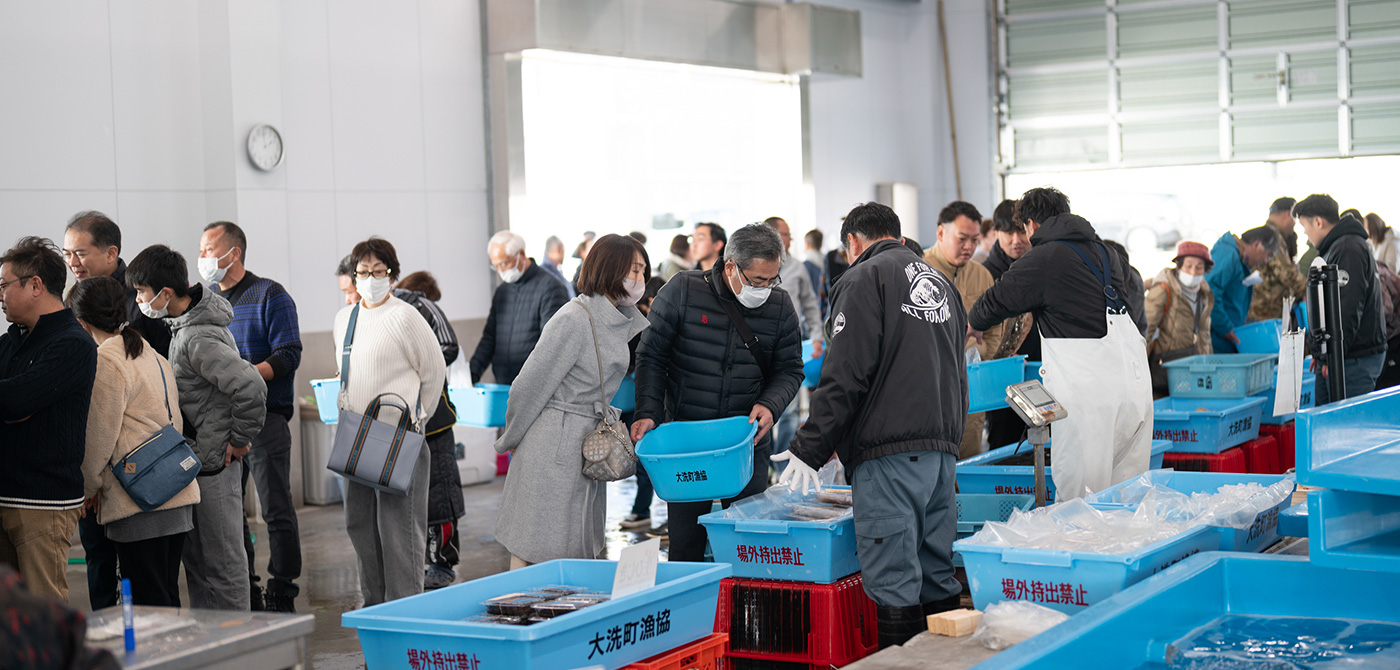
[1289, 385]
[636, 568]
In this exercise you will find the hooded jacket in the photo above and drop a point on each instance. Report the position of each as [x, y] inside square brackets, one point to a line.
[1232, 297]
[692, 364]
[1363, 318]
[894, 380]
[1173, 323]
[223, 397]
[518, 314]
[1052, 283]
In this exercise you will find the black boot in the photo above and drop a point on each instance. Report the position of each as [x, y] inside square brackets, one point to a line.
[945, 605]
[898, 624]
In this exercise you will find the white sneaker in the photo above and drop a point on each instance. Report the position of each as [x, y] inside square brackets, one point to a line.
[634, 521]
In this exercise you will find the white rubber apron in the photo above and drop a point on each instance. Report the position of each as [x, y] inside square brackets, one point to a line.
[1105, 385]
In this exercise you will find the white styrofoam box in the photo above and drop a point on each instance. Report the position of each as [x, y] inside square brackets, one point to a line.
[478, 466]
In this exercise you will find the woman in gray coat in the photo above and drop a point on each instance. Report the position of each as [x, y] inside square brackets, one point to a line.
[550, 509]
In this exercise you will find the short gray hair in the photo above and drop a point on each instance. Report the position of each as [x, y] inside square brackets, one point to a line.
[553, 242]
[756, 241]
[514, 244]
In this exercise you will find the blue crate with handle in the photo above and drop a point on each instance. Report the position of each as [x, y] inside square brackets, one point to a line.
[1220, 375]
[1206, 425]
[483, 405]
[987, 382]
[1262, 533]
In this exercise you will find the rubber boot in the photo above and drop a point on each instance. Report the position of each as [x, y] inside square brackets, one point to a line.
[898, 624]
[945, 605]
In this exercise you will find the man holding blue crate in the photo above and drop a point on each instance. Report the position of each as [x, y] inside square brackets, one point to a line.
[892, 404]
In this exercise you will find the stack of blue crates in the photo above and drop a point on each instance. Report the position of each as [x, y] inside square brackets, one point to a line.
[1210, 408]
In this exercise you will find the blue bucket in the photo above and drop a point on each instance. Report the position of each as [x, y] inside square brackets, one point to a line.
[625, 400]
[326, 402]
[483, 405]
[811, 368]
[695, 461]
[1259, 337]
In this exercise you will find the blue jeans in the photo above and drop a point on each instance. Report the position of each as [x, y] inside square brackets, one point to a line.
[1361, 377]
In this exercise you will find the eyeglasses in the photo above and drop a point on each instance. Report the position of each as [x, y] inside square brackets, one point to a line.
[21, 280]
[377, 274]
[765, 282]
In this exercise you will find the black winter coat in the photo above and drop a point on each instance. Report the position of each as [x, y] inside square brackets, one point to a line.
[1363, 316]
[692, 365]
[518, 314]
[895, 378]
[1052, 283]
[997, 261]
[155, 331]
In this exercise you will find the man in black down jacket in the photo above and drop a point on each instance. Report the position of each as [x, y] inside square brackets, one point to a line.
[522, 304]
[1342, 242]
[892, 403]
[693, 365]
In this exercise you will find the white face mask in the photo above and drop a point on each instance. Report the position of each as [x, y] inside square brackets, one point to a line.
[210, 271]
[749, 296]
[153, 313]
[634, 289]
[372, 289]
[1189, 280]
[1254, 279]
[512, 275]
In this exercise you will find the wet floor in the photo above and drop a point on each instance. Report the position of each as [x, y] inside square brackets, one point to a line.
[330, 582]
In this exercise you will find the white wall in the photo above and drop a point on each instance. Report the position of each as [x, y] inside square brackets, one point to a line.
[141, 109]
[891, 125]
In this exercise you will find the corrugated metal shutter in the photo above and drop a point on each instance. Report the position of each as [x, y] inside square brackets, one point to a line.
[1108, 83]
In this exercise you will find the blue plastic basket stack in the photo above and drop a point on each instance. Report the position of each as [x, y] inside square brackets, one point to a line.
[1211, 407]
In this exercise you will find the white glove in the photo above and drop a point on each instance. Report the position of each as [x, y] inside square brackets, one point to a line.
[797, 474]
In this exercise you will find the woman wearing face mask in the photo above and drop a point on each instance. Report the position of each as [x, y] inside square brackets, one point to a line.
[1178, 311]
[393, 351]
[550, 509]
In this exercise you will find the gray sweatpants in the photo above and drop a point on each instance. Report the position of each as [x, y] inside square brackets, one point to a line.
[906, 516]
[389, 532]
[216, 564]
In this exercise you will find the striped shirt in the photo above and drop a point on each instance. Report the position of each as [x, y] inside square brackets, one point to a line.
[265, 327]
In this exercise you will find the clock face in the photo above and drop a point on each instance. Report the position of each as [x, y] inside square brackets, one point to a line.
[265, 147]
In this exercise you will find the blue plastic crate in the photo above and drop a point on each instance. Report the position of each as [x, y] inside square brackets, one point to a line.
[685, 597]
[1260, 536]
[694, 461]
[327, 402]
[795, 551]
[1220, 375]
[1359, 531]
[1293, 522]
[987, 382]
[1134, 628]
[1305, 400]
[1032, 370]
[625, 400]
[1206, 425]
[483, 405]
[1070, 581]
[1352, 445]
[983, 473]
[811, 367]
[1259, 337]
[976, 509]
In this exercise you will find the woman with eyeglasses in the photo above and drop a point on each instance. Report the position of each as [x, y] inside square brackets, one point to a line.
[393, 351]
[133, 396]
[550, 508]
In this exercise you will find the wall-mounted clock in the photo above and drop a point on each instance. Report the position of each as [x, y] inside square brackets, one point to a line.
[265, 147]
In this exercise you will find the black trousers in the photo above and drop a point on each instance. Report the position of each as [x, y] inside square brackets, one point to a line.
[688, 537]
[270, 464]
[153, 566]
[101, 557]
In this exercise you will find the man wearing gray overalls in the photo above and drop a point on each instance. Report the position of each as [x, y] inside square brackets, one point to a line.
[891, 404]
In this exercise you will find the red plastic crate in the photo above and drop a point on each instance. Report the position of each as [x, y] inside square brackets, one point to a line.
[707, 653]
[736, 663]
[1286, 445]
[1261, 456]
[1230, 460]
[795, 622]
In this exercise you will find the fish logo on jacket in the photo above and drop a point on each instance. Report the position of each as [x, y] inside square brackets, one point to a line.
[928, 290]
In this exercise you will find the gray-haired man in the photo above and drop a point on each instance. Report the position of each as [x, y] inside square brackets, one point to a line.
[693, 363]
[521, 305]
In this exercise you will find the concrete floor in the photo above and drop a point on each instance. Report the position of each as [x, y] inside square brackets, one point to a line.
[330, 582]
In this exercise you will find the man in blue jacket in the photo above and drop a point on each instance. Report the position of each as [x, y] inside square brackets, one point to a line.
[47, 366]
[522, 304]
[1232, 280]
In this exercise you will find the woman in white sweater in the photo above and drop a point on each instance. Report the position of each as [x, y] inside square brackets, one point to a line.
[393, 351]
[133, 397]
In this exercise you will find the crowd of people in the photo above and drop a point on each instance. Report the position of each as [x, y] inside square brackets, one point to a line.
[714, 329]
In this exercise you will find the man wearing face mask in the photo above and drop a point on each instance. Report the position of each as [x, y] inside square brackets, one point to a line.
[723, 342]
[265, 327]
[1232, 281]
[520, 307]
[1179, 304]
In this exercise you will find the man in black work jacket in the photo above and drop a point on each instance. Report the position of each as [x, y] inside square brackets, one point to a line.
[892, 403]
[692, 363]
[1342, 242]
[47, 366]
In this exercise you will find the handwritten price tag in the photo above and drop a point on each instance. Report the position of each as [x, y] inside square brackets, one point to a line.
[636, 569]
